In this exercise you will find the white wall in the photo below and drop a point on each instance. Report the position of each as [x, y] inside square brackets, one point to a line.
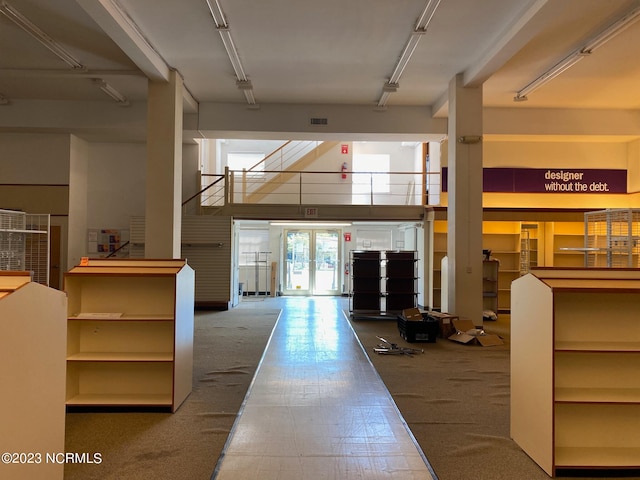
[35, 171]
[78, 201]
[331, 188]
[190, 170]
[116, 184]
[28, 158]
[98, 185]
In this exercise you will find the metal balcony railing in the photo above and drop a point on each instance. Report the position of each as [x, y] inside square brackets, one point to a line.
[310, 188]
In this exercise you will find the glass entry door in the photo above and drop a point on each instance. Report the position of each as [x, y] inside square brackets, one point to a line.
[312, 262]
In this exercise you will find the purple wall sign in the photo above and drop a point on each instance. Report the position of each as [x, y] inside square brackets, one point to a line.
[550, 180]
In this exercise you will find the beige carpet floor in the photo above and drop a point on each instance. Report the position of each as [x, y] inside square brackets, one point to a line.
[186, 445]
[455, 399]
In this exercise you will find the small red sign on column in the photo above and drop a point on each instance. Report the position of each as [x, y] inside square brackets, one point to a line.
[344, 148]
[347, 236]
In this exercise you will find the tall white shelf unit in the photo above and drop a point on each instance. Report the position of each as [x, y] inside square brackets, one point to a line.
[32, 371]
[130, 333]
[575, 357]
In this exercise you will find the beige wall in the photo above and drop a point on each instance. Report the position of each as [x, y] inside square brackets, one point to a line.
[562, 154]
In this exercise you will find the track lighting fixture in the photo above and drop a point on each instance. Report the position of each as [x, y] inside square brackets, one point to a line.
[29, 27]
[587, 49]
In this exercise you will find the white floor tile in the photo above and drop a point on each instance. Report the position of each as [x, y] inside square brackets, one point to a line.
[317, 409]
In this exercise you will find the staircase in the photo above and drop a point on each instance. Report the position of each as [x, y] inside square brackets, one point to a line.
[280, 167]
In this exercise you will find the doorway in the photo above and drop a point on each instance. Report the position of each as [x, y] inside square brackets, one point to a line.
[312, 262]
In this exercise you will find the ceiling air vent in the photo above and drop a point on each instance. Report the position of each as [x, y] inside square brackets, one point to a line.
[319, 121]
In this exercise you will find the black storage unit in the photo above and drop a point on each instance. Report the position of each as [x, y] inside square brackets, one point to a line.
[365, 281]
[383, 282]
[402, 280]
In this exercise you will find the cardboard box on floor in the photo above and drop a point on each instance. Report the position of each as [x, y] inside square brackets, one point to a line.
[412, 314]
[445, 320]
[467, 333]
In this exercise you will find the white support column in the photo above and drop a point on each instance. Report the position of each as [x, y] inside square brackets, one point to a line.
[164, 169]
[464, 211]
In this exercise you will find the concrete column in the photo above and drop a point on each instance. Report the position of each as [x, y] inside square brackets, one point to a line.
[163, 216]
[464, 211]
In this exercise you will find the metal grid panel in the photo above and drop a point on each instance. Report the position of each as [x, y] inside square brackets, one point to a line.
[24, 244]
[12, 240]
[612, 238]
[37, 247]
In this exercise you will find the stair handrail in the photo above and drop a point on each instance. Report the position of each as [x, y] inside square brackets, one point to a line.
[113, 254]
[254, 168]
[220, 178]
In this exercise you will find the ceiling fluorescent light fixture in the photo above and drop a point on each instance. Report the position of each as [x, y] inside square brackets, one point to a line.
[112, 92]
[223, 29]
[420, 28]
[427, 14]
[232, 53]
[247, 89]
[549, 75]
[217, 14]
[405, 56]
[587, 49]
[612, 30]
[29, 27]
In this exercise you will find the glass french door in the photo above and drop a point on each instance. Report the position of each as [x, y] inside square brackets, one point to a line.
[312, 262]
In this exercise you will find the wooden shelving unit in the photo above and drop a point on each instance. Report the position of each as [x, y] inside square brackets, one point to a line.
[568, 244]
[490, 275]
[503, 240]
[32, 368]
[130, 333]
[575, 391]
[439, 252]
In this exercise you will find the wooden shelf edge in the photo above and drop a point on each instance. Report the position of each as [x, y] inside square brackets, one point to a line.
[106, 400]
[132, 357]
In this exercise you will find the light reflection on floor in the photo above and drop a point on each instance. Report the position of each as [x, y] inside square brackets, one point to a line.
[317, 409]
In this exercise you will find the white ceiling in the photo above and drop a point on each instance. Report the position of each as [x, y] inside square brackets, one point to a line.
[333, 52]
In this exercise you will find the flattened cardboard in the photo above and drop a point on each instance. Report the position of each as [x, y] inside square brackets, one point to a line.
[489, 340]
[462, 337]
[468, 334]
